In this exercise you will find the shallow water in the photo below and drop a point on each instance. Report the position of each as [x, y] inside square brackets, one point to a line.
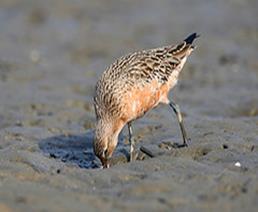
[51, 55]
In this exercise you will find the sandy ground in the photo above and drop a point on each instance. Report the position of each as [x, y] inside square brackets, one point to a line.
[51, 54]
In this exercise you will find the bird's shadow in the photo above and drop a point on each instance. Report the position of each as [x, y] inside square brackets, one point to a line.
[73, 149]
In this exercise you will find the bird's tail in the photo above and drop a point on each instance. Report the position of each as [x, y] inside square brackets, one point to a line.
[181, 49]
[189, 40]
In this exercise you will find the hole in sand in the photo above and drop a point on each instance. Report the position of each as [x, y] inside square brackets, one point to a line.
[199, 152]
[224, 146]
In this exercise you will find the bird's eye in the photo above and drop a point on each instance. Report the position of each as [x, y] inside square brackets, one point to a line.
[105, 153]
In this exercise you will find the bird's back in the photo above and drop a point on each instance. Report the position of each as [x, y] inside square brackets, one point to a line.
[135, 83]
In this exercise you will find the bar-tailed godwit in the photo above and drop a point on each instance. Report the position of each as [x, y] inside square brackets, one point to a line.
[133, 85]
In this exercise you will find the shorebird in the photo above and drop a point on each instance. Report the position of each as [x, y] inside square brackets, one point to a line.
[133, 85]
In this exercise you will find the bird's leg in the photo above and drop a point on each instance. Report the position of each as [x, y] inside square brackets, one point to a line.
[177, 111]
[130, 141]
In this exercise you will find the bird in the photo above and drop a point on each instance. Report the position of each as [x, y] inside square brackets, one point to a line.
[133, 85]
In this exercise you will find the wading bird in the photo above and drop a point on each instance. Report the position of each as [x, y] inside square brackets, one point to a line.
[133, 85]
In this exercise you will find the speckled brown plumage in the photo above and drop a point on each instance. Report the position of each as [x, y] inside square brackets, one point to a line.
[131, 86]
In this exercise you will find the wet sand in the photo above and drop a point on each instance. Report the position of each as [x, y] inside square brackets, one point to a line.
[51, 55]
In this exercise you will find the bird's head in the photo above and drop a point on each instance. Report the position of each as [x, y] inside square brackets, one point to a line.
[100, 146]
[105, 141]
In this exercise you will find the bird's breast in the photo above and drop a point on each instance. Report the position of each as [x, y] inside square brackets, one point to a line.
[142, 99]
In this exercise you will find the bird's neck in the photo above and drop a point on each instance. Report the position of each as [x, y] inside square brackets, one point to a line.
[108, 128]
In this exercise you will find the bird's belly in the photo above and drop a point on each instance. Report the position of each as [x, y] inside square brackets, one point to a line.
[139, 101]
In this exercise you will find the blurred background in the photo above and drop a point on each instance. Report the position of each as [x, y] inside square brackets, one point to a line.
[52, 52]
[51, 55]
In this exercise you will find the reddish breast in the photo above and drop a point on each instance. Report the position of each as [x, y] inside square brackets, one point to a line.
[139, 100]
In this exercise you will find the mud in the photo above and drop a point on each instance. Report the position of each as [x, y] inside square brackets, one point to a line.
[51, 55]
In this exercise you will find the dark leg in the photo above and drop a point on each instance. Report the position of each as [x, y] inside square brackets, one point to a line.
[176, 109]
[130, 140]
